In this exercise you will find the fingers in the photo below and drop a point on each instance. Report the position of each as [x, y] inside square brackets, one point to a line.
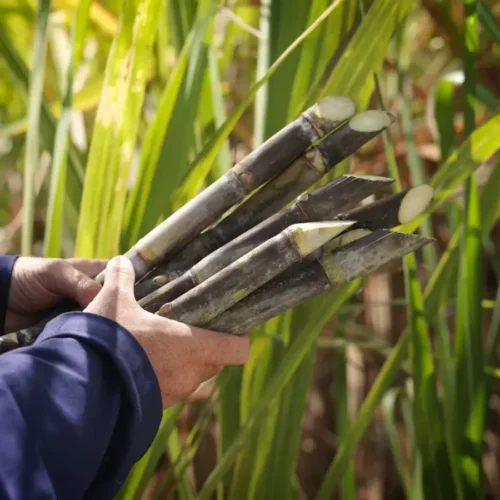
[119, 276]
[72, 283]
[90, 267]
[222, 348]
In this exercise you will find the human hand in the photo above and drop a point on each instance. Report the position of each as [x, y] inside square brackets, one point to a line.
[40, 283]
[182, 356]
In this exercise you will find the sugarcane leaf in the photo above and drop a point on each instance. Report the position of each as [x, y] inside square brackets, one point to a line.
[138, 478]
[202, 164]
[445, 114]
[426, 408]
[299, 349]
[365, 52]
[283, 430]
[342, 421]
[115, 130]
[57, 189]
[391, 427]
[281, 23]
[315, 62]
[33, 135]
[155, 146]
[20, 73]
[347, 447]
[489, 20]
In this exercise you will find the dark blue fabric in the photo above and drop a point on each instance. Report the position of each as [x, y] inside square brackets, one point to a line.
[6, 264]
[77, 409]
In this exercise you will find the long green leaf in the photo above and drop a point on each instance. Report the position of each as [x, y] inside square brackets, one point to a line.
[366, 51]
[55, 209]
[33, 135]
[204, 161]
[115, 130]
[284, 372]
[153, 146]
[470, 402]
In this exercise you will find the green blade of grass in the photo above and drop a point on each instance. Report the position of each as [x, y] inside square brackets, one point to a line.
[278, 478]
[299, 349]
[20, 74]
[366, 51]
[469, 342]
[154, 149]
[379, 388]
[388, 412]
[201, 166]
[478, 148]
[115, 130]
[342, 422]
[33, 135]
[57, 189]
[448, 264]
[286, 19]
[489, 20]
[138, 478]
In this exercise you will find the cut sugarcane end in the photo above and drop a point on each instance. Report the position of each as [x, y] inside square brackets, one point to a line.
[415, 202]
[344, 239]
[310, 236]
[335, 108]
[371, 121]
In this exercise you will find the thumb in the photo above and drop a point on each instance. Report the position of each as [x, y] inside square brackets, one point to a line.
[119, 277]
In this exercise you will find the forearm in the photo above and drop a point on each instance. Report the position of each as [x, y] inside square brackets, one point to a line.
[77, 410]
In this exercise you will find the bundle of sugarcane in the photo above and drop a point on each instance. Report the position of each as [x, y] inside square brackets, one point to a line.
[233, 257]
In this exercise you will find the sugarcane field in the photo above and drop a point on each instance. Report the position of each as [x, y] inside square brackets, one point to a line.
[250, 249]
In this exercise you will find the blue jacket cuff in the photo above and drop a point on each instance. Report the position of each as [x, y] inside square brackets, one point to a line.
[6, 265]
[140, 382]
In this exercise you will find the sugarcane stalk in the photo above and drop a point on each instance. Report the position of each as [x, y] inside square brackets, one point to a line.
[258, 167]
[298, 177]
[254, 269]
[390, 212]
[357, 259]
[322, 204]
[400, 208]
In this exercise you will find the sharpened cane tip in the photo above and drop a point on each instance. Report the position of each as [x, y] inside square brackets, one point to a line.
[310, 236]
[335, 108]
[415, 202]
[345, 239]
[371, 121]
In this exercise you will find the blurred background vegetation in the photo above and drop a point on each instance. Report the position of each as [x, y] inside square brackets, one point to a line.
[113, 113]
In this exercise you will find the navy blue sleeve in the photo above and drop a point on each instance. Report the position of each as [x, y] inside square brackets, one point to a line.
[6, 264]
[77, 410]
